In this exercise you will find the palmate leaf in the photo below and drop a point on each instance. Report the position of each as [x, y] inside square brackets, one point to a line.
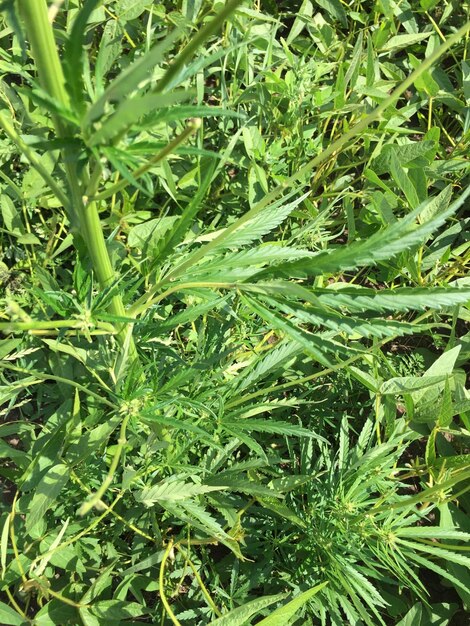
[168, 243]
[434, 567]
[261, 224]
[244, 485]
[450, 555]
[432, 532]
[241, 616]
[269, 426]
[401, 299]
[252, 259]
[189, 314]
[265, 365]
[385, 244]
[173, 490]
[357, 601]
[343, 324]
[318, 345]
[283, 614]
[241, 233]
[197, 516]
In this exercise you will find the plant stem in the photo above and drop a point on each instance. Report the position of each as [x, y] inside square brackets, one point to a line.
[84, 215]
[94, 500]
[161, 585]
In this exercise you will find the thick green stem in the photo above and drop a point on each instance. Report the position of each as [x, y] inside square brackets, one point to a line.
[51, 77]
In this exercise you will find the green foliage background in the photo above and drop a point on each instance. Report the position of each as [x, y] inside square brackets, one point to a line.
[234, 313]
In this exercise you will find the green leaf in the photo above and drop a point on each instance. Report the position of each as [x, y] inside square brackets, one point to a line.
[46, 493]
[9, 617]
[320, 317]
[382, 245]
[281, 509]
[198, 517]
[316, 345]
[242, 614]
[304, 12]
[131, 9]
[55, 613]
[432, 532]
[400, 299]
[173, 490]
[176, 234]
[117, 609]
[129, 79]
[452, 556]
[11, 216]
[147, 235]
[73, 55]
[271, 426]
[413, 617]
[403, 181]
[131, 110]
[408, 384]
[244, 232]
[335, 9]
[403, 41]
[405, 153]
[283, 614]
[446, 412]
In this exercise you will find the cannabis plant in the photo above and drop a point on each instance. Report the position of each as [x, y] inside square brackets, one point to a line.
[164, 306]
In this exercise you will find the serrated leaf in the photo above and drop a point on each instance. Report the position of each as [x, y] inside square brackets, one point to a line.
[385, 244]
[73, 55]
[432, 532]
[269, 426]
[130, 78]
[281, 509]
[245, 232]
[198, 517]
[316, 345]
[131, 111]
[282, 615]
[173, 491]
[451, 555]
[401, 299]
[241, 615]
[269, 363]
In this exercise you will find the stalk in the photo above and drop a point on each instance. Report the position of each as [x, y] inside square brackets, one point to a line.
[83, 215]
